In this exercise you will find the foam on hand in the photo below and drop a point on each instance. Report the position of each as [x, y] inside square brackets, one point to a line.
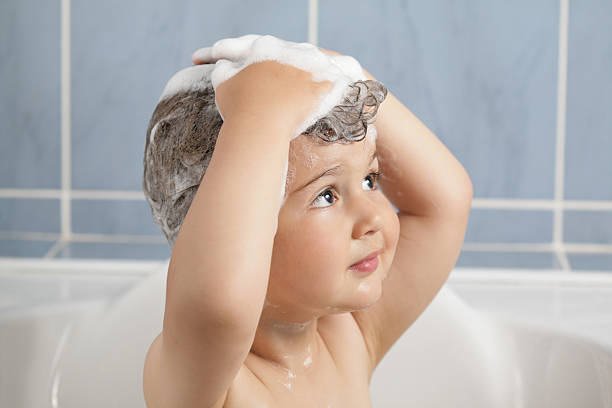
[231, 55]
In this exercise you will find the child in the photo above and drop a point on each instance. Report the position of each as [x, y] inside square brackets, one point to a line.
[275, 309]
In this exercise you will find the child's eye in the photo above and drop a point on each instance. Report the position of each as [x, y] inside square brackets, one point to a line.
[328, 195]
[374, 176]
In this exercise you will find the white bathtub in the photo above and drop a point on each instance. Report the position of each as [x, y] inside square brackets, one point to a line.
[75, 333]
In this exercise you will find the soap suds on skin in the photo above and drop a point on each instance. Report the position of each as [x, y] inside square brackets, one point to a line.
[267, 303]
[372, 134]
[293, 326]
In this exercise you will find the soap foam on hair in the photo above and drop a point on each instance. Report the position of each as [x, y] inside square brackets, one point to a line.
[231, 55]
[188, 79]
[234, 54]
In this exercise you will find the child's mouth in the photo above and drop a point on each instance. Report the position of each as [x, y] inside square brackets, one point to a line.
[367, 265]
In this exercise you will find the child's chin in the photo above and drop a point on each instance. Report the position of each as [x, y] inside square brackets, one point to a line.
[353, 307]
[370, 304]
[367, 299]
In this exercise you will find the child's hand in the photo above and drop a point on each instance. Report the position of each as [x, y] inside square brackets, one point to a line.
[304, 92]
[268, 90]
[337, 53]
[205, 55]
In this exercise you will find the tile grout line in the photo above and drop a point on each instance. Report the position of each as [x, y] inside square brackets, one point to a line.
[155, 239]
[83, 237]
[560, 135]
[537, 247]
[65, 204]
[76, 194]
[477, 203]
[313, 22]
[56, 248]
[65, 131]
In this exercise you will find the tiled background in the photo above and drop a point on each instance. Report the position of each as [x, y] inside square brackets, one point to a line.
[519, 91]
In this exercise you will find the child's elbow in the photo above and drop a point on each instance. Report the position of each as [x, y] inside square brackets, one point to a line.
[460, 198]
[469, 191]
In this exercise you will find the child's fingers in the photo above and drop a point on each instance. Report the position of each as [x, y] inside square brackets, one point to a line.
[233, 49]
[329, 52]
[366, 73]
[203, 56]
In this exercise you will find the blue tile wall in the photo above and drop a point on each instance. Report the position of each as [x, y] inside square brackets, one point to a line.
[104, 250]
[113, 217]
[588, 227]
[481, 75]
[589, 102]
[591, 262]
[496, 259]
[123, 53]
[30, 101]
[29, 215]
[484, 86]
[24, 248]
[509, 226]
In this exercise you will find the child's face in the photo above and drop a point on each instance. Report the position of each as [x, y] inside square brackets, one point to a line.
[327, 226]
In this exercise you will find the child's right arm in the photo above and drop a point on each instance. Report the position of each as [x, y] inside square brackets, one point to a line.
[220, 264]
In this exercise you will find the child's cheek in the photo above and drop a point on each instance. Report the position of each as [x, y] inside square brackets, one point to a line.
[395, 228]
[391, 231]
[323, 248]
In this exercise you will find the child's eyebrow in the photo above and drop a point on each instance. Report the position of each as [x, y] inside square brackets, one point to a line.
[333, 171]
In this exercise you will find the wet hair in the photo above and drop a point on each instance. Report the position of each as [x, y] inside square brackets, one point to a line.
[183, 131]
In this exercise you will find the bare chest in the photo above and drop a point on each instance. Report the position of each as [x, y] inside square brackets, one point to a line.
[340, 377]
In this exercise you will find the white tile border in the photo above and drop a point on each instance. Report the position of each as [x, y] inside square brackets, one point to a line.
[518, 276]
[477, 203]
[560, 135]
[157, 239]
[66, 129]
[37, 266]
[486, 275]
[313, 22]
[72, 194]
[576, 248]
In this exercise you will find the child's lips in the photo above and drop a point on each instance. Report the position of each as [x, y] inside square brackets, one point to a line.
[367, 265]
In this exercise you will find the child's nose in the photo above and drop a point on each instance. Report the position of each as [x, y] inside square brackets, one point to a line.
[368, 218]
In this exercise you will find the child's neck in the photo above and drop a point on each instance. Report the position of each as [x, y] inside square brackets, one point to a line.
[294, 346]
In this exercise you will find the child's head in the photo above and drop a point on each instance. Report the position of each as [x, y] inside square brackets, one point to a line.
[323, 227]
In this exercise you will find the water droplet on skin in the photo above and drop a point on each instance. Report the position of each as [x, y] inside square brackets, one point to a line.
[267, 303]
[290, 378]
[292, 326]
[364, 286]
[313, 158]
[371, 134]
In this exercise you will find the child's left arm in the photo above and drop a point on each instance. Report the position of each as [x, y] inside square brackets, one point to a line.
[433, 193]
